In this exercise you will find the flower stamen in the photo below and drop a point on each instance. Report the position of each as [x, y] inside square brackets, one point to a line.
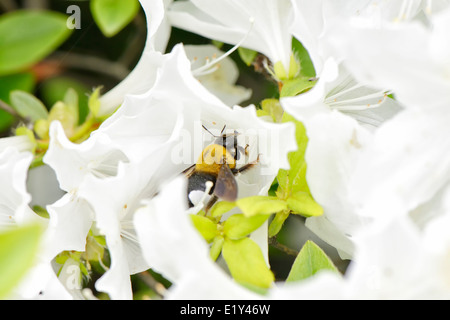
[206, 69]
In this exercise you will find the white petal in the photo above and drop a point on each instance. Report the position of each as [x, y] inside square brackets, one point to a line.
[70, 221]
[182, 248]
[407, 164]
[116, 281]
[229, 21]
[41, 283]
[21, 143]
[14, 198]
[73, 162]
[335, 144]
[222, 81]
[323, 286]
[144, 73]
[382, 57]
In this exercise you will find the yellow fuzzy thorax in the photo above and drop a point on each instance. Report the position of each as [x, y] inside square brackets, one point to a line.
[213, 157]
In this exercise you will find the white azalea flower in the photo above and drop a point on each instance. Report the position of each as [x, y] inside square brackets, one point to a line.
[334, 148]
[14, 197]
[262, 25]
[40, 282]
[144, 73]
[395, 260]
[115, 201]
[420, 130]
[329, 111]
[220, 82]
[407, 164]
[21, 143]
[382, 57]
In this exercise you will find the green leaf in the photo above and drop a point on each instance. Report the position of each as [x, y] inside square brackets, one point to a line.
[18, 249]
[216, 247]
[294, 67]
[303, 203]
[28, 106]
[20, 81]
[277, 223]
[246, 262]
[26, 37]
[205, 226]
[293, 87]
[309, 261]
[221, 208]
[280, 71]
[294, 179]
[112, 16]
[70, 91]
[273, 108]
[257, 205]
[238, 226]
[94, 102]
[247, 55]
[306, 66]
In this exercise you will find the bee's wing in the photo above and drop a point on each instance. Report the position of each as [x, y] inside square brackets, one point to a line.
[189, 171]
[226, 186]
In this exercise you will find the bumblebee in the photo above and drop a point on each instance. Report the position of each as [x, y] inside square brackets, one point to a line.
[217, 164]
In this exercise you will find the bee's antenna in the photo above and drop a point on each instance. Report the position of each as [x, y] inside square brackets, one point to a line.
[208, 131]
[223, 129]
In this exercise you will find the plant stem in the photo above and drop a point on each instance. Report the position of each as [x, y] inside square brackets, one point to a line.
[6, 107]
[274, 243]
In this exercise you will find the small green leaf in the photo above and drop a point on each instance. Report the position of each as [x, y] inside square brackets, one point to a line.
[112, 16]
[18, 249]
[246, 262]
[302, 203]
[309, 261]
[70, 91]
[294, 67]
[28, 36]
[221, 208]
[257, 205]
[238, 226]
[216, 247]
[205, 226]
[307, 69]
[94, 102]
[280, 71]
[293, 87]
[247, 55]
[294, 179]
[277, 223]
[273, 108]
[20, 81]
[28, 106]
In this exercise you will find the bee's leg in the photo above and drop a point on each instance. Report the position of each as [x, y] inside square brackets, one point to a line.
[211, 202]
[246, 167]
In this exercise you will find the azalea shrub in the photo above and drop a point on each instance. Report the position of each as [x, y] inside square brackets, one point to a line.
[198, 149]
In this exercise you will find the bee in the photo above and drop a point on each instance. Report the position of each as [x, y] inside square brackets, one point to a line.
[217, 165]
